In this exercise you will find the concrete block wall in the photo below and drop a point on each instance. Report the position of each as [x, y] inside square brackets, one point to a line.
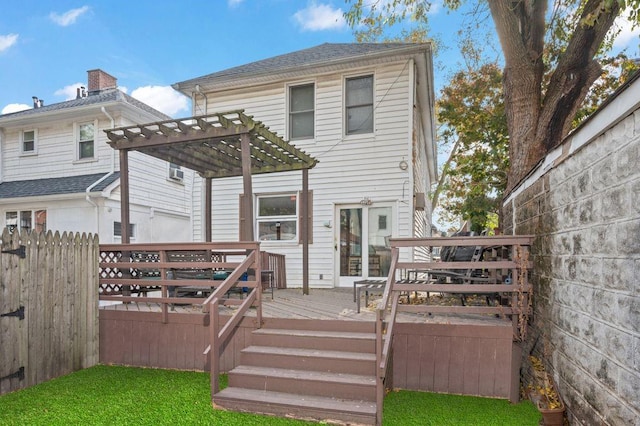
[585, 213]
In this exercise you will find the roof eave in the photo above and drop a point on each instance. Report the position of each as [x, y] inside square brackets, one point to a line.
[31, 199]
[188, 87]
[70, 112]
[426, 94]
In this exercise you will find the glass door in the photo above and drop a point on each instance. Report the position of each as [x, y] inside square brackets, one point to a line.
[362, 242]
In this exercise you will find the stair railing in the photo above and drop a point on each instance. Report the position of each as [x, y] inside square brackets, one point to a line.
[218, 333]
[384, 335]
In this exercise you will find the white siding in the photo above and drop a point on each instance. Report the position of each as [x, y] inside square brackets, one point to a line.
[160, 207]
[350, 167]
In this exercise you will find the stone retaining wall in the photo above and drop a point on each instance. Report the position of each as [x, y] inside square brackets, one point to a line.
[583, 205]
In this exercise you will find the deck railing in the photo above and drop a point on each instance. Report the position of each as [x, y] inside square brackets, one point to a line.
[497, 271]
[274, 263]
[170, 268]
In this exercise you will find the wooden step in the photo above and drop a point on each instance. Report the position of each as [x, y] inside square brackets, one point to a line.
[313, 339]
[321, 325]
[304, 382]
[345, 411]
[309, 359]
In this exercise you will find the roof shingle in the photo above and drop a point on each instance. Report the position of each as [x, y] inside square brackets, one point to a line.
[106, 96]
[53, 186]
[318, 55]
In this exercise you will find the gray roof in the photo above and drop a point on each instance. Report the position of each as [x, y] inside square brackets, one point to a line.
[53, 186]
[319, 55]
[103, 97]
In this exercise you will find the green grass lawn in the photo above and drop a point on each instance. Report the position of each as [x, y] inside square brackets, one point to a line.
[108, 395]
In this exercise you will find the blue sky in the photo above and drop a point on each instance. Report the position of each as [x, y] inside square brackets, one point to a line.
[46, 47]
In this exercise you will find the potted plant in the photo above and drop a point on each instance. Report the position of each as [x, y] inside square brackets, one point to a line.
[544, 395]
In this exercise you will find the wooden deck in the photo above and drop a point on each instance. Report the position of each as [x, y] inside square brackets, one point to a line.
[321, 304]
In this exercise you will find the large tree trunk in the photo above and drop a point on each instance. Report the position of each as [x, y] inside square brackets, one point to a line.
[538, 124]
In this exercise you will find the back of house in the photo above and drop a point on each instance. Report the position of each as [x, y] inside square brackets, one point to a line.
[365, 112]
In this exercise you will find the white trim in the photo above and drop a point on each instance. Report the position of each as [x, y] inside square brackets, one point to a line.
[410, 150]
[24, 153]
[154, 210]
[392, 223]
[288, 218]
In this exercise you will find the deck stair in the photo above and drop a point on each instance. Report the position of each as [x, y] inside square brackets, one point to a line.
[322, 370]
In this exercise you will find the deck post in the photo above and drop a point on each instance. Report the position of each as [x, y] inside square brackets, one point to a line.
[124, 197]
[214, 350]
[247, 205]
[304, 228]
[207, 209]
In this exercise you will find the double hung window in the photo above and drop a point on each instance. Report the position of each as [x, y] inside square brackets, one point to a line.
[28, 142]
[359, 105]
[86, 145]
[301, 111]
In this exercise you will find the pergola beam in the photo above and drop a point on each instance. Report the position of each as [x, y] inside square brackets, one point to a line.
[230, 144]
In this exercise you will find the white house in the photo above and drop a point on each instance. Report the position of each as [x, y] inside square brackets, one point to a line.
[365, 112]
[58, 173]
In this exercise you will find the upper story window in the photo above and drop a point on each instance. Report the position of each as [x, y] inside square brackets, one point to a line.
[359, 105]
[301, 111]
[175, 172]
[277, 217]
[28, 142]
[26, 220]
[86, 143]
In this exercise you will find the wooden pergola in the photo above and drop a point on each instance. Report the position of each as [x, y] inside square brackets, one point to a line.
[229, 144]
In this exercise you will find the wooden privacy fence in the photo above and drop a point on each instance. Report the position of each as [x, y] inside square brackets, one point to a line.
[48, 306]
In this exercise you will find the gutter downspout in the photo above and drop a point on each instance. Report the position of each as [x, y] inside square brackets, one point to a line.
[206, 100]
[94, 184]
[1, 147]
[194, 105]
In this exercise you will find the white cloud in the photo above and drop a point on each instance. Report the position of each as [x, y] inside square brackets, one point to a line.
[627, 34]
[318, 17]
[15, 108]
[162, 98]
[6, 41]
[124, 89]
[68, 17]
[69, 92]
[234, 3]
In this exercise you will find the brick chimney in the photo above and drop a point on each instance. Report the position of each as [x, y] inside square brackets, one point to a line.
[99, 80]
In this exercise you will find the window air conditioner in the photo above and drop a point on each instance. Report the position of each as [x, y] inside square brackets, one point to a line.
[176, 174]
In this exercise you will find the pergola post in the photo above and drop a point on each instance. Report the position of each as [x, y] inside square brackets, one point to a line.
[125, 219]
[207, 209]
[247, 205]
[305, 231]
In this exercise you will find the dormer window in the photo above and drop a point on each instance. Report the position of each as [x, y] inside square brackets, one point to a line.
[28, 142]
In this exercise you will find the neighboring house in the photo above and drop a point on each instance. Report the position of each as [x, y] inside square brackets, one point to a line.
[365, 112]
[58, 173]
